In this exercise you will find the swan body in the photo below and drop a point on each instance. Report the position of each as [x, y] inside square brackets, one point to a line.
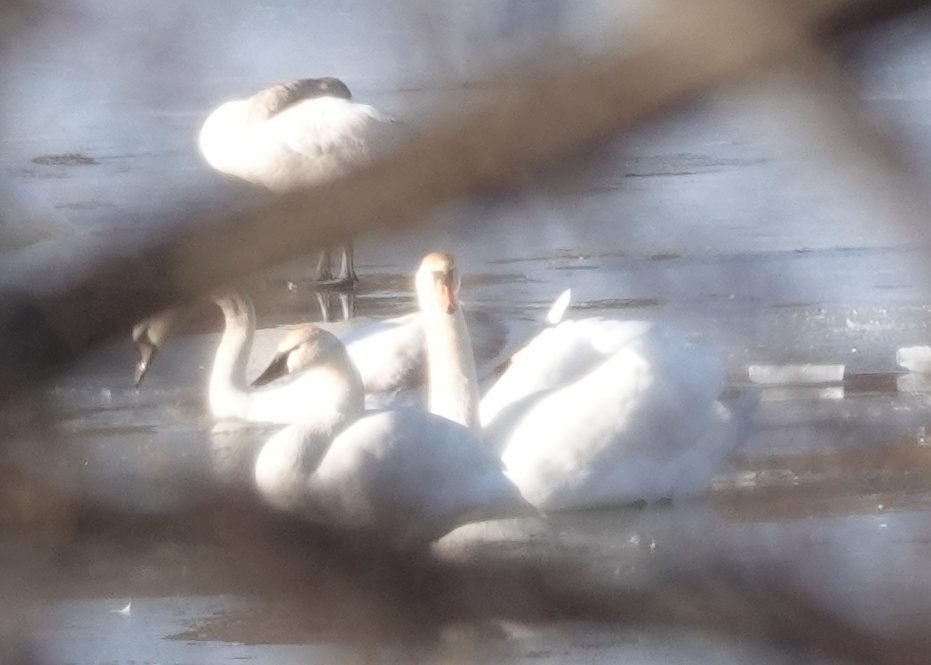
[592, 412]
[292, 135]
[598, 412]
[402, 474]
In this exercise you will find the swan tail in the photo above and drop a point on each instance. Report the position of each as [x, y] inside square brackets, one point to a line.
[732, 427]
[558, 310]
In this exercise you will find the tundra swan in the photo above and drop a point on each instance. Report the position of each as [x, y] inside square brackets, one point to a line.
[403, 474]
[292, 135]
[591, 412]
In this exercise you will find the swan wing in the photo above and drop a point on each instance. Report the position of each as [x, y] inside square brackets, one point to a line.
[323, 138]
[389, 354]
[558, 356]
[611, 436]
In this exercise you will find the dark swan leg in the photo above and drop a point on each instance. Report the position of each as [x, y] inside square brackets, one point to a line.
[347, 301]
[323, 301]
[322, 273]
[347, 272]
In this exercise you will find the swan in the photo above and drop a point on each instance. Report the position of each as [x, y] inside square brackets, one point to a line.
[229, 396]
[402, 474]
[296, 134]
[591, 412]
[452, 383]
[149, 335]
[390, 354]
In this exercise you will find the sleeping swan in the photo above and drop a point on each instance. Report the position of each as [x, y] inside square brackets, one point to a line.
[296, 134]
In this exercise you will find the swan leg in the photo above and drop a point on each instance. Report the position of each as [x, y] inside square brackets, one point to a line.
[322, 302]
[322, 272]
[347, 272]
[347, 304]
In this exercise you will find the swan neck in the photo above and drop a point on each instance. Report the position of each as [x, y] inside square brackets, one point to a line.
[452, 385]
[288, 458]
[228, 391]
[347, 394]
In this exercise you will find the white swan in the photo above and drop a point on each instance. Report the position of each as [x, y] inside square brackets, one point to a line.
[390, 354]
[229, 395]
[592, 412]
[403, 474]
[292, 135]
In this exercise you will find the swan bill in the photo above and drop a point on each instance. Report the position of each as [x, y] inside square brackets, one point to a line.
[146, 350]
[275, 370]
[444, 294]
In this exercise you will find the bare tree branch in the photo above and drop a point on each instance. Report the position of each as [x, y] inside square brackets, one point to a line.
[686, 48]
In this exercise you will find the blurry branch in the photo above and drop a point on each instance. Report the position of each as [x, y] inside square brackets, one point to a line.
[687, 47]
[833, 131]
[17, 16]
[383, 596]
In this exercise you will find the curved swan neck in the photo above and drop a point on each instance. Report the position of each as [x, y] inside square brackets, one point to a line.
[346, 390]
[285, 461]
[228, 392]
[451, 377]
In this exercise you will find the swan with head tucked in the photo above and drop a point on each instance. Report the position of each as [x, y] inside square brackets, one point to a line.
[593, 412]
[402, 474]
[292, 135]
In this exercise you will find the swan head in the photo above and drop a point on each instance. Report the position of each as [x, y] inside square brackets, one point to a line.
[438, 283]
[303, 349]
[300, 349]
[149, 335]
[272, 101]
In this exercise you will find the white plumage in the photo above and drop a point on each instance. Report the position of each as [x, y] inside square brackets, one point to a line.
[598, 412]
[402, 474]
[296, 134]
[592, 412]
[229, 395]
